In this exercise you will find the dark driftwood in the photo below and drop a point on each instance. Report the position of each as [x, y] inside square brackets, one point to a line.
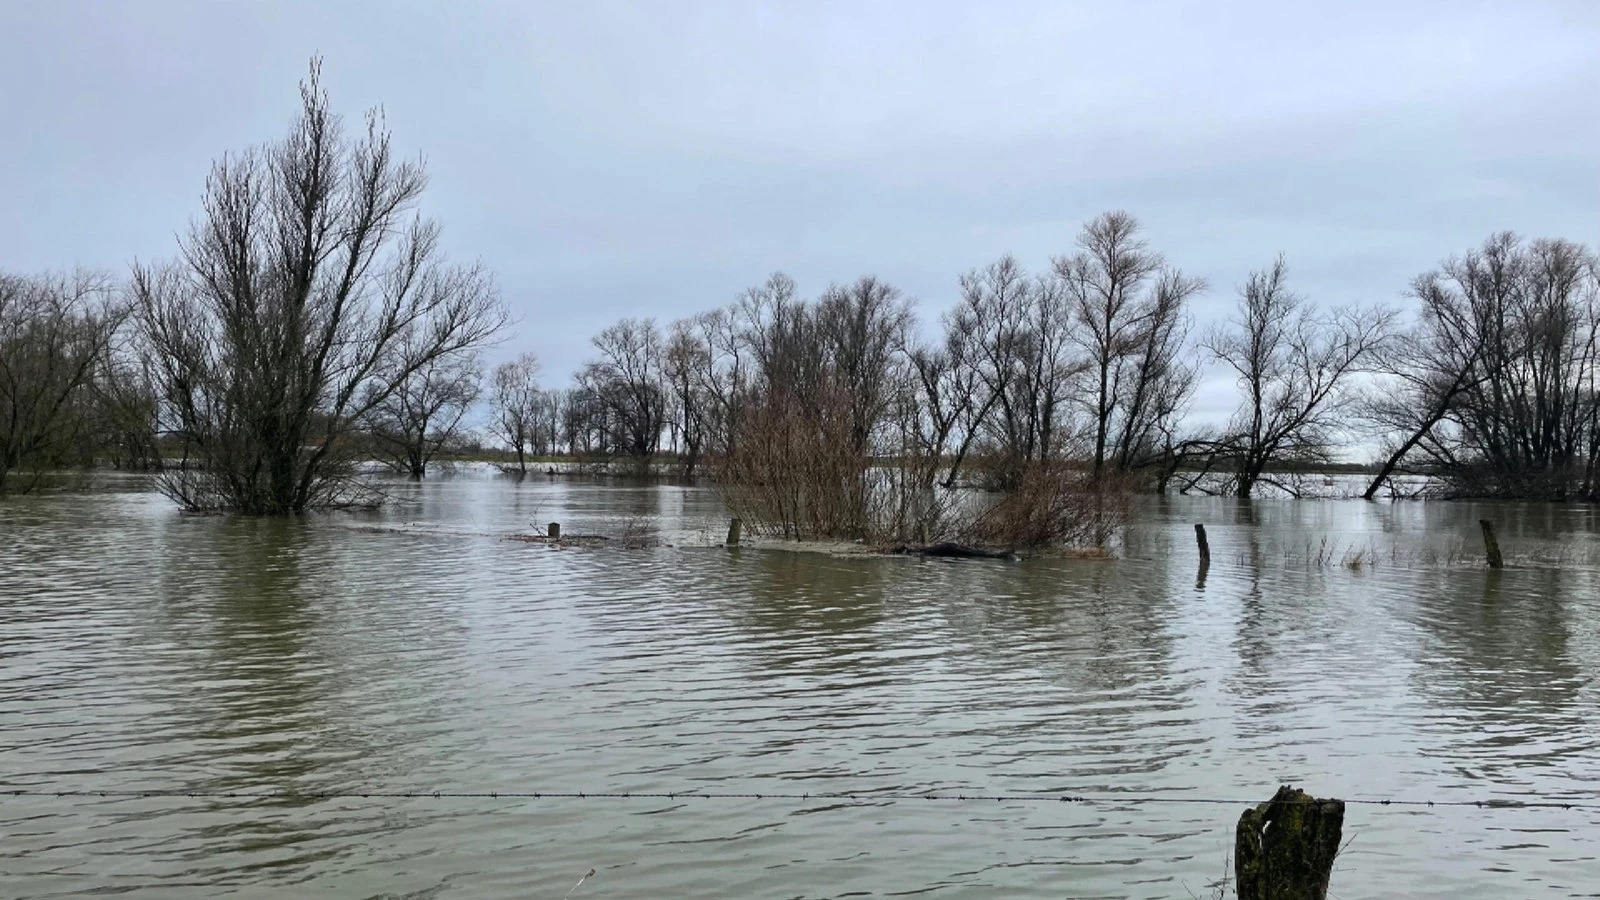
[1284, 849]
[954, 551]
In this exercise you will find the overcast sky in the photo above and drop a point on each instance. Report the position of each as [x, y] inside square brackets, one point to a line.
[656, 158]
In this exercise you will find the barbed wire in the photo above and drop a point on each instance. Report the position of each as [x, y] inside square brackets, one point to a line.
[805, 797]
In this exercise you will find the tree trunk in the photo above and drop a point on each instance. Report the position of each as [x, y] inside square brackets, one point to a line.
[1284, 848]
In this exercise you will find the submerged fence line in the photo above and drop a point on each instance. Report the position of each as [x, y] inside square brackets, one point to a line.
[851, 796]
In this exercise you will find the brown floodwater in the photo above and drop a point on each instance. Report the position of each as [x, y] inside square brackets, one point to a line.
[1358, 650]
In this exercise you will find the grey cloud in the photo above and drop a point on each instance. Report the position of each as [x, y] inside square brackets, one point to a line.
[610, 159]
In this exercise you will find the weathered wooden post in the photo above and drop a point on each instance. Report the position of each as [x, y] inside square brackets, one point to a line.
[1205, 548]
[1284, 848]
[734, 526]
[553, 531]
[1491, 546]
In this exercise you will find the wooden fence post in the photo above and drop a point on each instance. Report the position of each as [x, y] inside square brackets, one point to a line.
[1284, 849]
[1205, 548]
[1491, 547]
[734, 526]
[553, 532]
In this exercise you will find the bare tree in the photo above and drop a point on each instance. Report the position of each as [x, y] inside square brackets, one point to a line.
[515, 399]
[587, 422]
[687, 358]
[1425, 375]
[724, 376]
[1128, 307]
[627, 387]
[826, 378]
[1498, 391]
[981, 337]
[127, 410]
[1016, 336]
[862, 328]
[550, 410]
[284, 321]
[941, 394]
[56, 331]
[421, 413]
[1295, 366]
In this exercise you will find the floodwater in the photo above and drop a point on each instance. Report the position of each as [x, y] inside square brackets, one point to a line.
[416, 649]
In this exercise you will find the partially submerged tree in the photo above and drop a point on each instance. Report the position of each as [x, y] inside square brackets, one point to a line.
[825, 377]
[687, 358]
[1498, 392]
[1294, 364]
[126, 408]
[305, 295]
[1015, 333]
[515, 401]
[422, 412]
[56, 333]
[625, 389]
[1424, 375]
[1128, 307]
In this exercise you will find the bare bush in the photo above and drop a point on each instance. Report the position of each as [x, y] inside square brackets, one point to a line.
[1053, 504]
[796, 473]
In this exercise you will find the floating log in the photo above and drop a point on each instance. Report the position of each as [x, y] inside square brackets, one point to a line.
[1284, 848]
[954, 551]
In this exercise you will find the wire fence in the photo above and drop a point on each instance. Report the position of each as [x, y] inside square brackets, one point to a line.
[1499, 803]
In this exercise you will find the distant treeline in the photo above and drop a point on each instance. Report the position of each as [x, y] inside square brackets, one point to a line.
[1489, 386]
[308, 323]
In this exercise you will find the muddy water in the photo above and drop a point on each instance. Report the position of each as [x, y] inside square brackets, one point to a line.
[1356, 649]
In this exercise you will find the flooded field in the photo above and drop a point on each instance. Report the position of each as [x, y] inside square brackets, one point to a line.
[1357, 650]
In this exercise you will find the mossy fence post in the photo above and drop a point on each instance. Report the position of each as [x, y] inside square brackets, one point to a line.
[1284, 848]
[1491, 547]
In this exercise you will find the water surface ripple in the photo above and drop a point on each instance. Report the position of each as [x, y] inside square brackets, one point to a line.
[416, 649]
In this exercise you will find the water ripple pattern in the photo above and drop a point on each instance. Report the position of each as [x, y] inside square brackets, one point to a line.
[417, 648]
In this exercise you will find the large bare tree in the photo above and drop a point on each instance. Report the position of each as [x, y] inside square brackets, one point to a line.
[1498, 392]
[1295, 365]
[1128, 311]
[284, 320]
[1130, 323]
